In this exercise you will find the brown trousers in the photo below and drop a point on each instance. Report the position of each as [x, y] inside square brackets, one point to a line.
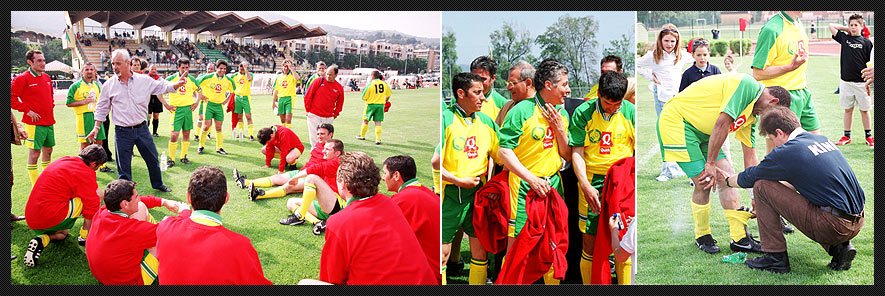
[774, 199]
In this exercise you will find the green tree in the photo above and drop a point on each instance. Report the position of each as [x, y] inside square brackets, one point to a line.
[509, 45]
[624, 49]
[53, 51]
[449, 58]
[17, 51]
[572, 41]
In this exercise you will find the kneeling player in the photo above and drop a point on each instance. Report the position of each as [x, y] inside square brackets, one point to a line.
[282, 141]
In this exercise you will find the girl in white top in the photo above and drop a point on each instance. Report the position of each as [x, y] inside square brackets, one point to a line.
[663, 66]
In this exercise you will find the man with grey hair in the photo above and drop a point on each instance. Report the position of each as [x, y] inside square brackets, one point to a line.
[520, 86]
[323, 101]
[128, 94]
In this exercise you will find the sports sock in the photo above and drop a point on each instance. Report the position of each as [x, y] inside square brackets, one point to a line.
[310, 193]
[45, 239]
[867, 133]
[203, 138]
[219, 141]
[43, 165]
[184, 145]
[273, 193]
[156, 124]
[736, 222]
[104, 165]
[586, 266]
[151, 219]
[33, 173]
[173, 147]
[478, 272]
[443, 272]
[548, 278]
[240, 125]
[364, 128]
[149, 267]
[250, 130]
[84, 233]
[378, 133]
[848, 134]
[436, 180]
[310, 218]
[701, 214]
[261, 182]
[623, 270]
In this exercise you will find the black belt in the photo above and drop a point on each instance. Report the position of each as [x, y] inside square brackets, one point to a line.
[841, 214]
[134, 126]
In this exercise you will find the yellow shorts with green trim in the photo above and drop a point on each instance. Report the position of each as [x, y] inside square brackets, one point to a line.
[75, 209]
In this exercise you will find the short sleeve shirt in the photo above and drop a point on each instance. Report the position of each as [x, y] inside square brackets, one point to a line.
[214, 87]
[467, 142]
[285, 85]
[184, 95]
[606, 138]
[79, 91]
[243, 84]
[493, 104]
[734, 94]
[779, 40]
[376, 92]
[526, 131]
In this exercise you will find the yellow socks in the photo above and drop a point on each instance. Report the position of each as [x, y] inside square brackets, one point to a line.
[173, 147]
[378, 133]
[622, 269]
[736, 222]
[701, 214]
[43, 165]
[586, 267]
[273, 193]
[184, 145]
[149, 268]
[548, 278]
[363, 130]
[478, 272]
[33, 173]
[310, 218]
[443, 272]
[84, 233]
[310, 193]
[262, 182]
[219, 141]
[240, 126]
[45, 240]
[436, 181]
[250, 130]
[203, 138]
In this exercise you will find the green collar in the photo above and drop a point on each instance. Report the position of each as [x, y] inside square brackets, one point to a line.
[457, 108]
[489, 94]
[34, 74]
[121, 213]
[353, 199]
[605, 116]
[786, 17]
[412, 182]
[208, 215]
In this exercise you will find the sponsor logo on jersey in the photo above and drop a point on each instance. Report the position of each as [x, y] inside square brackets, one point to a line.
[738, 123]
[548, 138]
[471, 148]
[537, 133]
[285, 84]
[605, 143]
[242, 81]
[218, 88]
[182, 90]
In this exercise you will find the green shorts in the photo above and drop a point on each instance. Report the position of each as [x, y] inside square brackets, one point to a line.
[201, 107]
[40, 136]
[284, 105]
[85, 124]
[242, 105]
[802, 104]
[518, 191]
[457, 211]
[75, 210]
[323, 215]
[374, 112]
[291, 174]
[214, 111]
[588, 221]
[696, 143]
[183, 119]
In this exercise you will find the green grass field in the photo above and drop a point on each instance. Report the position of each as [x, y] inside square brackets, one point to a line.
[287, 253]
[667, 251]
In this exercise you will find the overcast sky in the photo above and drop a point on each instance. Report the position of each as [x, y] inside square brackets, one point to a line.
[417, 23]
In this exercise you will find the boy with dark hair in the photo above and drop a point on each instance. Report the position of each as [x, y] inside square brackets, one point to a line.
[856, 52]
[700, 69]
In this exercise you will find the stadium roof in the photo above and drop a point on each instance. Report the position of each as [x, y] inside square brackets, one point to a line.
[196, 22]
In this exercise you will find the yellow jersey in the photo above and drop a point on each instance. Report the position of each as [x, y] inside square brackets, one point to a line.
[376, 92]
[606, 138]
[184, 95]
[214, 87]
[779, 40]
[526, 131]
[80, 91]
[285, 85]
[467, 142]
[243, 84]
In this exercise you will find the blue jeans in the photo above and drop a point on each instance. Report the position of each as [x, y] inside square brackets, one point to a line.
[125, 138]
[658, 104]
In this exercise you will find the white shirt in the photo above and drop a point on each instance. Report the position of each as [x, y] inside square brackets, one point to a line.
[668, 74]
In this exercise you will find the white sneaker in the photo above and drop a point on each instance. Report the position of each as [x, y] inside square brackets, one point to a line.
[662, 178]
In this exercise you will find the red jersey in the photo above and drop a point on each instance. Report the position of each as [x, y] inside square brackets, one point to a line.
[286, 140]
[316, 156]
[420, 207]
[33, 93]
[324, 98]
[192, 253]
[368, 231]
[117, 244]
[327, 170]
[62, 180]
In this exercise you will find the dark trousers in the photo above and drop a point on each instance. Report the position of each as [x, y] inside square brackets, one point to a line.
[104, 144]
[774, 199]
[126, 138]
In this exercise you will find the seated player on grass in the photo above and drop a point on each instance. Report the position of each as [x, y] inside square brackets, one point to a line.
[324, 133]
[122, 245]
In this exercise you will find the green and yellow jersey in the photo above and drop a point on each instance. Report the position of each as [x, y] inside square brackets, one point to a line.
[606, 138]
[492, 104]
[779, 40]
[376, 92]
[184, 95]
[215, 87]
[592, 94]
[80, 91]
[467, 142]
[285, 85]
[530, 136]
[310, 80]
[243, 84]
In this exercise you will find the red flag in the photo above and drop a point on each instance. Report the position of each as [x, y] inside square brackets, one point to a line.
[743, 24]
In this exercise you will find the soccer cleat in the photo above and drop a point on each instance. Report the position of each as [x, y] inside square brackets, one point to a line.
[454, 268]
[106, 170]
[170, 163]
[196, 137]
[185, 161]
[252, 138]
[361, 138]
[869, 141]
[291, 167]
[35, 247]
[787, 227]
[200, 150]
[707, 244]
[377, 142]
[156, 135]
[320, 227]
[293, 219]
[221, 151]
[842, 254]
[240, 179]
[81, 241]
[773, 262]
[254, 193]
[844, 140]
[746, 245]
[209, 136]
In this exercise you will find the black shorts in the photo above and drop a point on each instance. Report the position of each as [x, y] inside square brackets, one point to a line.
[155, 106]
[336, 209]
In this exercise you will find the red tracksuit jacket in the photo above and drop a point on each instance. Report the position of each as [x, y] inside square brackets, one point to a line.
[542, 242]
[619, 191]
[490, 216]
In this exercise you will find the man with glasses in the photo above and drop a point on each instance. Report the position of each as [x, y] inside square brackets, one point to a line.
[519, 84]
